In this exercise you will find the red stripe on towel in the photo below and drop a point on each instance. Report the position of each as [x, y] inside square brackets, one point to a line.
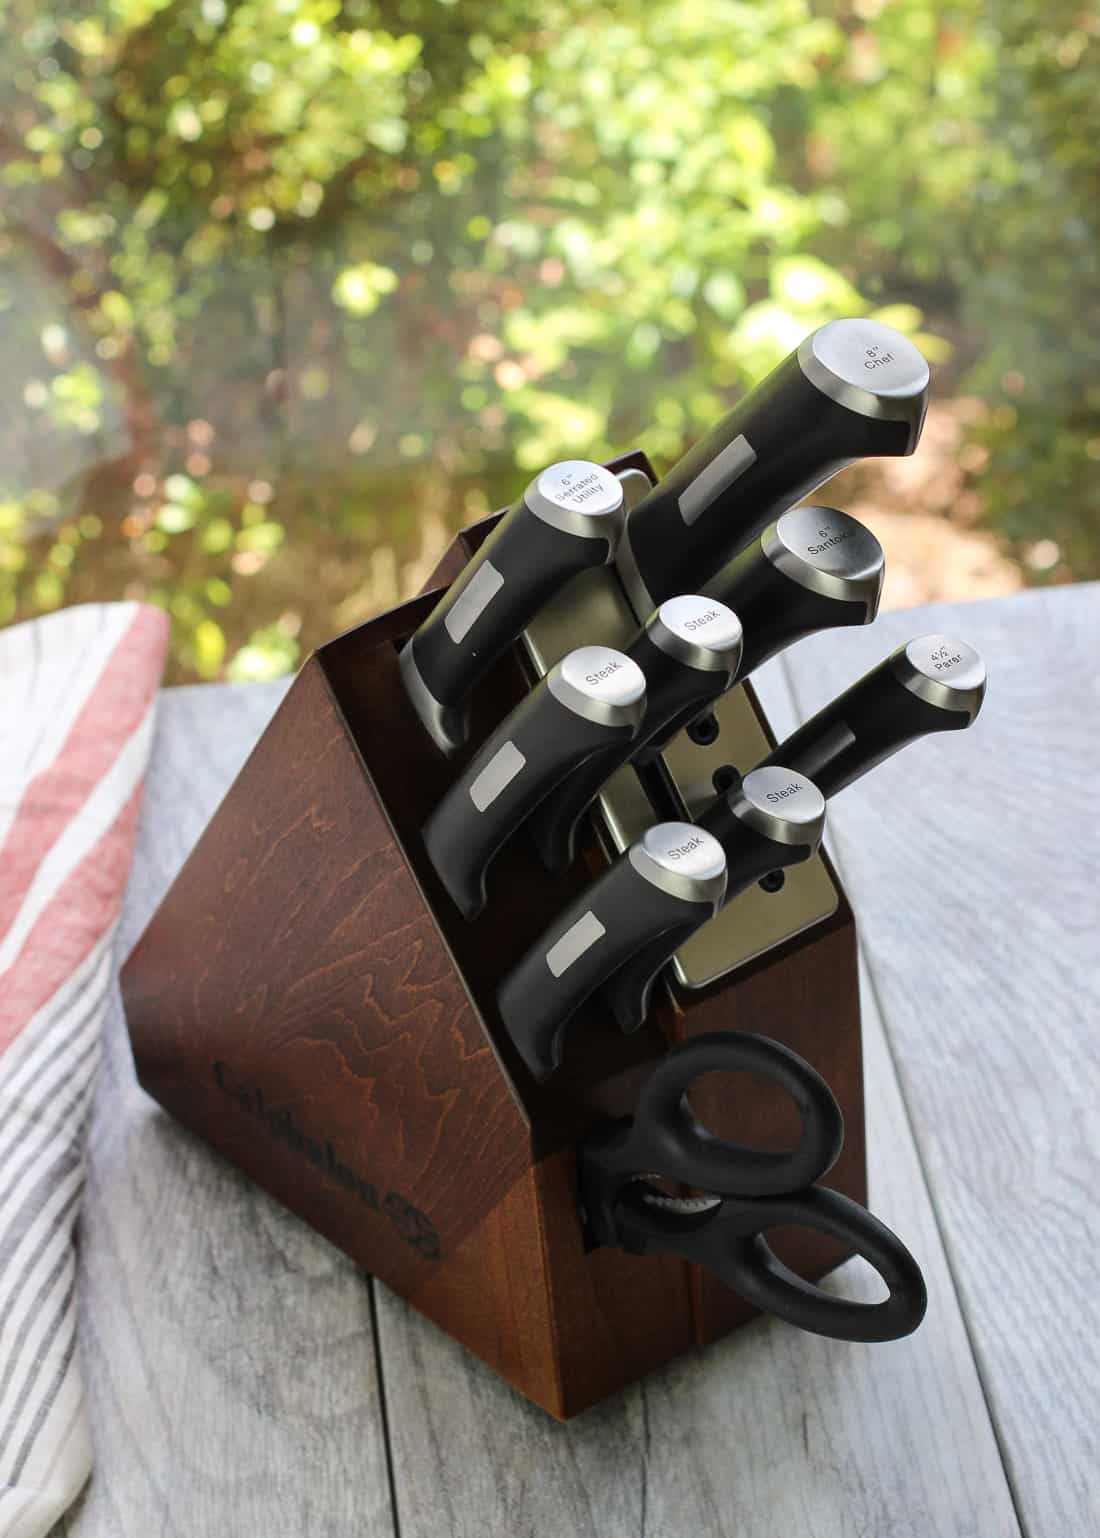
[69, 926]
[110, 715]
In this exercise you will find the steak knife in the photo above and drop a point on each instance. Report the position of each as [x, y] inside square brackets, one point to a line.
[690, 652]
[772, 819]
[582, 712]
[569, 519]
[663, 888]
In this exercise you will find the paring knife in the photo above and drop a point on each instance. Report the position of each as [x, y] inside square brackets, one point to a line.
[852, 389]
[568, 520]
[664, 887]
[690, 652]
[773, 818]
[932, 684]
[815, 568]
[586, 707]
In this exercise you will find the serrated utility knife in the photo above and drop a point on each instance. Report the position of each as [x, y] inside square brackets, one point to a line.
[568, 520]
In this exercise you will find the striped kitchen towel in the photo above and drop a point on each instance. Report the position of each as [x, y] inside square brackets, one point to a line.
[77, 693]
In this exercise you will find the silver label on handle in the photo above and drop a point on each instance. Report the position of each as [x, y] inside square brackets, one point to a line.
[472, 602]
[721, 473]
[577, 939]
[498, 773]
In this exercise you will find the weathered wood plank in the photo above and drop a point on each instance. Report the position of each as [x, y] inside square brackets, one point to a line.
[973, 864]
[770, 1431]
[229, 1353]
[978, 919]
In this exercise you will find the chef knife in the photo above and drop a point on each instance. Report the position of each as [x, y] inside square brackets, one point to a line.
[932, 684]
[568, 519]
[689, 651]
[851, 390]
[586, 707]
[772, 819]
[664, 886]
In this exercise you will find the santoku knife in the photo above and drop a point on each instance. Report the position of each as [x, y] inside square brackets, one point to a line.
[587, 706]
[852, 389]
[568, 519]
[815, 568]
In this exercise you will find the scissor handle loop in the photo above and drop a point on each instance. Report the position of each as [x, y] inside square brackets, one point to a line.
[681, 1148]
[752, 1268]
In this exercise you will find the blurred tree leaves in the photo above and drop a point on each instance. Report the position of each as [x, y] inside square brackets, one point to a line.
[287, 289]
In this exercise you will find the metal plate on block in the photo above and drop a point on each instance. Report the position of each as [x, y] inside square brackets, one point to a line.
[594, 608]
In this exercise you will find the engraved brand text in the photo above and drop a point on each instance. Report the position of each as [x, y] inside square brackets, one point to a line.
[683, 849]
[414, 1226]
[599, 674]
[584, 490]
[788, 790]
[827, 541]
[944, 659]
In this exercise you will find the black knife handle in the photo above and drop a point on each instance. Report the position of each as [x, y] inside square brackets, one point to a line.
[771, 820]
[689, 651]
[814, 569]
[852, 389]
[932, 684]
[672, 879]
[586, 707]
[568, 519]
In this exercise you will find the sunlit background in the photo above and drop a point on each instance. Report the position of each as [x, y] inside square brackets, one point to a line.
[290, 289]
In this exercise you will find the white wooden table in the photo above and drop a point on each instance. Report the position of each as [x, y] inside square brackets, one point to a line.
[244, 1378]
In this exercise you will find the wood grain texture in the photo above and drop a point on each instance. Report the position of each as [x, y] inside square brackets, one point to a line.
[294, 1003]
[228, 1352]
[312, 975]
[974, 861]
[767, 1432]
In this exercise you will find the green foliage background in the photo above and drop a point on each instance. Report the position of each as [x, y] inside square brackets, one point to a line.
[288, 285]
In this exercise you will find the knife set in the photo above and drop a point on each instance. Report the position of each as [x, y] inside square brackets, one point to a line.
[517, 880]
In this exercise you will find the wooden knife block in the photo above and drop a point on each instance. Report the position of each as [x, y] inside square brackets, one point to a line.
[308, 1000]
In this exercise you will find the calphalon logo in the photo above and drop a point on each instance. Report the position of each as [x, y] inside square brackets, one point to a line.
[788, 790]
[414, 1226]
[682, 849]
[599, 674]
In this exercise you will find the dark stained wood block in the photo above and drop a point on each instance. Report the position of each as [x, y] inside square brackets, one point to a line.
[308, 1001]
